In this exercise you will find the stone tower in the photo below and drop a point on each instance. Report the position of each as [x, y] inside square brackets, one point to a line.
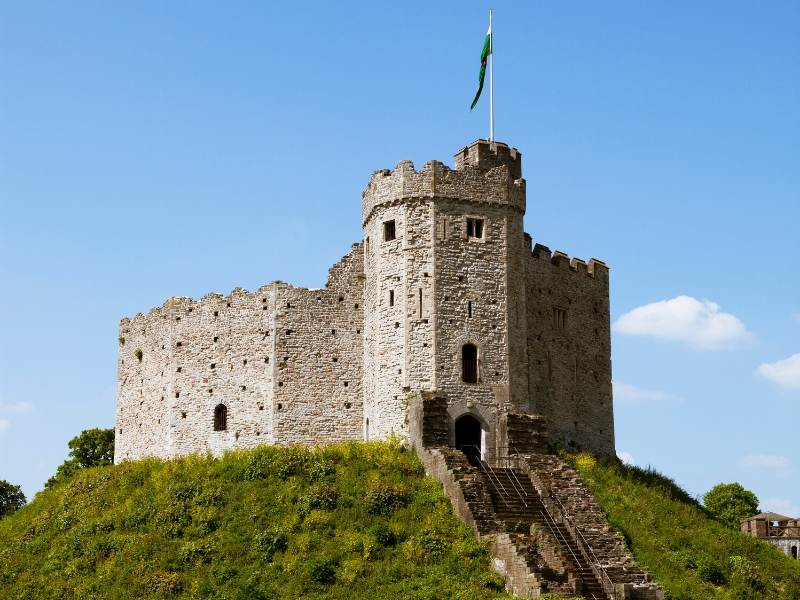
[444, 269]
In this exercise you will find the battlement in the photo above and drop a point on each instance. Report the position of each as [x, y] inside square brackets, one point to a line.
[594, 268]
[485, 173]
[487, 155]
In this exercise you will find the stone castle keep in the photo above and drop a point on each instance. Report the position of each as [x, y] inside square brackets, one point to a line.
[445, 295]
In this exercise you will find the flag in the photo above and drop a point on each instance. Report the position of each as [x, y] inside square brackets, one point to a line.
[487, 50]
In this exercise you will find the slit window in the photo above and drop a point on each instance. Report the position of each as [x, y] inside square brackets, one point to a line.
[221, 418]
[469, 308]
[391, 297]
[469, 363]
[389, 231]
[559, 318]
[475, 228]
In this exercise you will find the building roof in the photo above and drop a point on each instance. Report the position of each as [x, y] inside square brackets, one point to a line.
[769, 516]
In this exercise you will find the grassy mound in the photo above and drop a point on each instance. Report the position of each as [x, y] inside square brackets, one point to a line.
[689, 553]
[346, 521]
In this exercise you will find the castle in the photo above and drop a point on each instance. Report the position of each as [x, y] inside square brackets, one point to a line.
[444, 294]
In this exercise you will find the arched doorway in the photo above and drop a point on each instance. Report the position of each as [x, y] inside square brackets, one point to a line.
[468, 438]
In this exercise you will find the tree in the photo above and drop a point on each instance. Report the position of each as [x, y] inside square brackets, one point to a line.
[11, 498]
[92, 448]
[730, 503]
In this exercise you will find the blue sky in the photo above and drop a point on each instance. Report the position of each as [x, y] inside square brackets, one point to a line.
[155, 149]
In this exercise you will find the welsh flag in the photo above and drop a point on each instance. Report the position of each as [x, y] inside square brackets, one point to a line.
[487, 50]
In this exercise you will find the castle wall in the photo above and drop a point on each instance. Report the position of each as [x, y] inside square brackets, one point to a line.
[569, 342]
[144, 380]
[236, 351]
[319, 354]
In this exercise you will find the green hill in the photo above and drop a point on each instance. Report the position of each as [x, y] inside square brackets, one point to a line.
[692, 556]
[346, 521]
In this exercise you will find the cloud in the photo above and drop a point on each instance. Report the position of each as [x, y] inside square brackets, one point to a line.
[699, 323]
[785, 373]
[4, 424]
[630, 394]
[15, 407]
[765, 461]
[626, 457]
[780, 506]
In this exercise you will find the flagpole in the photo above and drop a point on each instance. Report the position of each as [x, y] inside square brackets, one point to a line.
[491, 79]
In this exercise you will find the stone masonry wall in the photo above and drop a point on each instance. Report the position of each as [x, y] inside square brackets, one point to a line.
[258, 353]
[569, 349]
[319, 357]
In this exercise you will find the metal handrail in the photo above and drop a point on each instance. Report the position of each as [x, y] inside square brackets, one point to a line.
[490, 474]
[586, 543]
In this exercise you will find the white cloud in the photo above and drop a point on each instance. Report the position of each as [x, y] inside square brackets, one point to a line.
[685, 319]
[626, 457]
[15, 407]
[4, 424]
[781, 506]
[765, 461]
[630, 394]
[785, 373]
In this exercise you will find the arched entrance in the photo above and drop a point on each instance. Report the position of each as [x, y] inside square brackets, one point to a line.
[468, 438]
[794, 552]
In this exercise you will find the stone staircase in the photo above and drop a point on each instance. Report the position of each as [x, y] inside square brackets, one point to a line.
[516, 501]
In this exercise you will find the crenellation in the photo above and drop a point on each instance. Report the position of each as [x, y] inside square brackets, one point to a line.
[446, 294]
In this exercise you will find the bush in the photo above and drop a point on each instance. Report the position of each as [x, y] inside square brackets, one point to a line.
[382, 534]
[708, 570]
[382, 498]
[321, 495]
[267, 543]
[322, 570]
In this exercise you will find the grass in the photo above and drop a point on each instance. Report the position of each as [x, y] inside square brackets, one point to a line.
[691, 555]
[348, 521]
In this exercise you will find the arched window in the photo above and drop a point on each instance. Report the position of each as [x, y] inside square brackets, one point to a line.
[221, 418]
[469, 363]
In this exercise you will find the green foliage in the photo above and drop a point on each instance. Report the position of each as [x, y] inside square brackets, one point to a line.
[690, 553]
[92, 448]
[731, 503]
[11, 498]
[383, 498]
[348, 521]
[138, 354]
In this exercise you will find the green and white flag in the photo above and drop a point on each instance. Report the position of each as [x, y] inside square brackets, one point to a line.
[487, 50]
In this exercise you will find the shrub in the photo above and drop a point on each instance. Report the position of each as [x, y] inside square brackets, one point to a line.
[321, 495]
[382, 498]
[382, 534]
[322, 570]
[746, 572]
[138, 354]
[267, 543]
[708, 570]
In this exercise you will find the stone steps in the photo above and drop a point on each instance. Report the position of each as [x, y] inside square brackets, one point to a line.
[515, 500]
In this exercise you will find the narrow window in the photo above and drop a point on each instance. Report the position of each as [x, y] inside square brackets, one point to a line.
[420, 303]
[367, 245]
[391, 297]
[221, 418]
[469, 308]
[389, 232]
[475, 228]
[469, 363]
[559, 318]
